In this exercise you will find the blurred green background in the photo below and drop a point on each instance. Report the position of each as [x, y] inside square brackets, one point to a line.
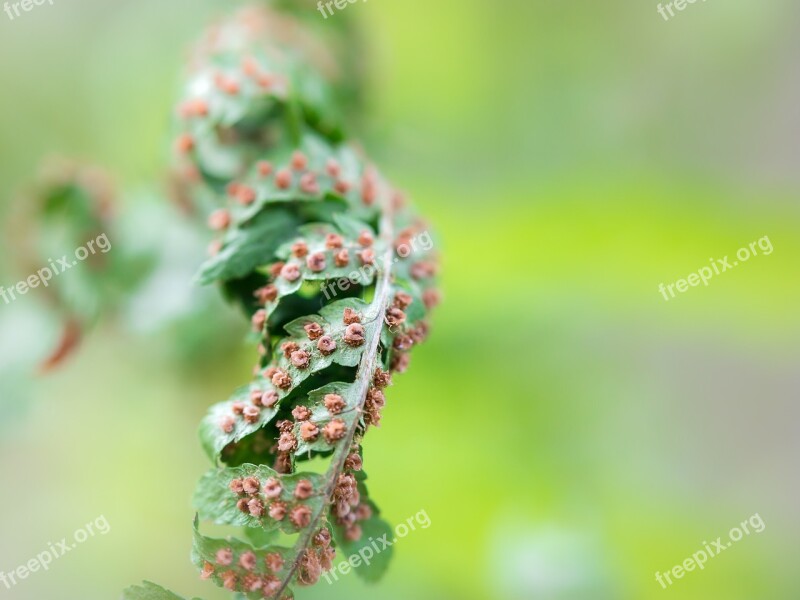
[567, 430]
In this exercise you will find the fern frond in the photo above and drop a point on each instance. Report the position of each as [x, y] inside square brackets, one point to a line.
[337, 275]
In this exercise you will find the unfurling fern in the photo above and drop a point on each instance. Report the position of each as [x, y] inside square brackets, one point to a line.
[337, 275]
[69, 208]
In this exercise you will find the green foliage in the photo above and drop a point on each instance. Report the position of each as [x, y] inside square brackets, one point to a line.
[64, 235]
[312, 246]
[149, 591]
[208, 551]
[215, 501]
[245, 247]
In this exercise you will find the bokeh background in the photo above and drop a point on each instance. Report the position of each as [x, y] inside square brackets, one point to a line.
[568, 431]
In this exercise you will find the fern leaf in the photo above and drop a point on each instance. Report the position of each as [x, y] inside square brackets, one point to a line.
[337, 276]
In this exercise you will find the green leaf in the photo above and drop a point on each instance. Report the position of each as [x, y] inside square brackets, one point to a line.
[250, 246]
[212, 435]
[214, 500]
[231, 136]
[314, 235]
[350, 226]
[332, 323]
[222, 559]
[373, 530]
[261, 538]
[326, 191]
[149, 591]
[321, 416]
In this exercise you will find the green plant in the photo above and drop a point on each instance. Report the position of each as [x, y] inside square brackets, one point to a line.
[337, 275]
[68, 205]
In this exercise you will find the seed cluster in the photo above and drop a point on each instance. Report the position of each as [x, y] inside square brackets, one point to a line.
[349, 508]
[373, 406]
[274, 499]
[406, 334]
[251, 81]
[296, 177]
[316, 559]
[252, 572]
[310, 431]
[320, 255]
[249, 413]
[301, 354]
[381, 379]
